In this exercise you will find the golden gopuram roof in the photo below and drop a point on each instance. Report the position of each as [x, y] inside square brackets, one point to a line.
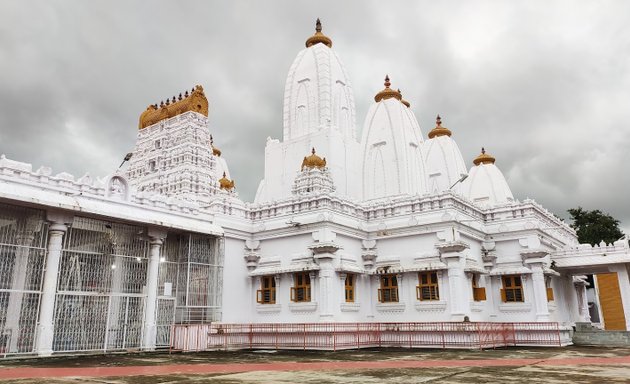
[387, 93]
[225, 183]
[484, 158]
[194, 101]
[313, 161]
[318, 37]
[439, 130]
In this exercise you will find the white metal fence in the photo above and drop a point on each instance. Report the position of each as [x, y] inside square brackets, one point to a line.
[100, 290]
[23, 237]
[101, 284]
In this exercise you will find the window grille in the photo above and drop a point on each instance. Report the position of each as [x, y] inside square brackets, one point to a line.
[512, 290]
[427, 288]
[267, 292]
[388, 292]
[301, 291]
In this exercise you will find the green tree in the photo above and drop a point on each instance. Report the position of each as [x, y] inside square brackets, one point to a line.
[594, 226]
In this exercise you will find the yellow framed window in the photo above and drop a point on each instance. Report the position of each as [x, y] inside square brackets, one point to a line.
[512, 291]
[388, 292]
[479, 293]
[301, 290]
[427, 288]
[349, 286]
[267, 292]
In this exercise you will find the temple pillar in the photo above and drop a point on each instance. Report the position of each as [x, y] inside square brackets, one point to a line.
[46, 325]
[156, 239]
[325, 286]
[452, 254]
[535, 260]
[580, 289]
[324, 249]
[489, 258]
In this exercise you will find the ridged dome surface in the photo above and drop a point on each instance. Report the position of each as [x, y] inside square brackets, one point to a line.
[392, 158]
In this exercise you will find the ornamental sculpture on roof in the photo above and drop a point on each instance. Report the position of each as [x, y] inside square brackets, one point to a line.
[194, 101]
[484, 158]
[313, 161]
[318, 37]
[439, 130]
[225, 183]
[387, 92]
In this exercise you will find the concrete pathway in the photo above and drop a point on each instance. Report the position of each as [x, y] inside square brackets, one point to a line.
[200, 369]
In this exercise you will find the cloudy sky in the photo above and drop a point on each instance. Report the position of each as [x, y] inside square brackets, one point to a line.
[543, 85]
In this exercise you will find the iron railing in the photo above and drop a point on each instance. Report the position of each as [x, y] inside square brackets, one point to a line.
[336, 336]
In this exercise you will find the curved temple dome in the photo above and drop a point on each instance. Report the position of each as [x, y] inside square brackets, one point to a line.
[444, 161]
[317, 93]
[486, 184]
[391, 144]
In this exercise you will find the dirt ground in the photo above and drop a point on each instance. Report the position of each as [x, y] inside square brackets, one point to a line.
[536, 371]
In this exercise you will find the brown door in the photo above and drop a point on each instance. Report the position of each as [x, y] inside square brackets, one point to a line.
[610, 300]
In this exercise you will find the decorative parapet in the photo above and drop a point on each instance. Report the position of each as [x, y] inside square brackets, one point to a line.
[114, 187]
[585, 255]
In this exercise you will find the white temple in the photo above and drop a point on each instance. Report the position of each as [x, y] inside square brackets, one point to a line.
[386, 226]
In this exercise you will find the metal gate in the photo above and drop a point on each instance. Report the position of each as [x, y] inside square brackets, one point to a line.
[164, 321]
[23, 239]
[100, 287]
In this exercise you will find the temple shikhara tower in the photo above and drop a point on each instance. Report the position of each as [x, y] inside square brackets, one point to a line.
[384, 236]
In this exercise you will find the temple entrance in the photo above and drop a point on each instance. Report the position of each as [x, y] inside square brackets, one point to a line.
[610, 300]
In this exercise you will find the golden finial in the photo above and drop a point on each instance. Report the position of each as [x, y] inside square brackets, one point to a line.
[318, 37]
[439, 130]
[195, 101]
[313, 161]
[225, 183]
[387, 93]
[484, 158]
[403, 101]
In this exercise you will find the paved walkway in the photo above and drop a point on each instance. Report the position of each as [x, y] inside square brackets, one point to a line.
[36, 373]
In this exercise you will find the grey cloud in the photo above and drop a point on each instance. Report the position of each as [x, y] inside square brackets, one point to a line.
[543, 85]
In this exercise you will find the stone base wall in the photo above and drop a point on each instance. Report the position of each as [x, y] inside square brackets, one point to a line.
[586, 334]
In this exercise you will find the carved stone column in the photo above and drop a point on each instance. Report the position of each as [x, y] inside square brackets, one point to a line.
[534, 260]
[156, 238]
[323, 253]
[580, 284]
[451, 253]
[46, 328]
[489, 261]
